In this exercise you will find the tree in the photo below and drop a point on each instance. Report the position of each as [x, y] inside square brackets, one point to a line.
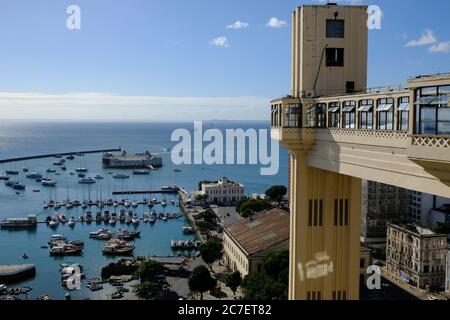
[233, 281]
[211, 251]
[201, 197]
[148, 270]
[205, 226]
[204, 182]
[259, 286]
[253, 205]
[443, 228]
[276, 266]
[271, 282]
[276, 193]
[148, 290]
[201, 281]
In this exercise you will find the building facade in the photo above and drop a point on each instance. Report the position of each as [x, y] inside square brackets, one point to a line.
[421, 208]
[223, 191]
[339, 132]
[248, 241]
[381, 204]
[417, 256]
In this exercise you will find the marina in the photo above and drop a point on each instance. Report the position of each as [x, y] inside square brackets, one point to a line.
[76, 210]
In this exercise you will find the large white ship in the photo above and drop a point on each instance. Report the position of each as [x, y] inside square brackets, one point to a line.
[29, 222]
[137, 161]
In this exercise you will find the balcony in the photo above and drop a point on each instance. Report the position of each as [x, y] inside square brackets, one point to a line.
[395, 157]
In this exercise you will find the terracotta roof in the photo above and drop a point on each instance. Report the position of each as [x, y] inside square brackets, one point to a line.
[266, 229]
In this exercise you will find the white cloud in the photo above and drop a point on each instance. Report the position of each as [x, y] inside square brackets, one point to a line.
[220, 42]
[110, 107]
[238, 25]
[275, 23]
[442, 47]
[427, 38]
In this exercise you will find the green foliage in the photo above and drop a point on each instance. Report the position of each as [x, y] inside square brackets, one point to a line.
[272, 280]
[258, 286]
[148, 290]
[443, 228]
[276, 193]
[252, 206]
[206, 215]
[204, 181]
[205, 226]
[276, 266]
[201, 197]
[148, 270]
[201, 281]
[233, 281]
[211, 251]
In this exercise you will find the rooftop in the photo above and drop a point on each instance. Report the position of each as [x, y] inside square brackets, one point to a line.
[415, 229]
[264, 230]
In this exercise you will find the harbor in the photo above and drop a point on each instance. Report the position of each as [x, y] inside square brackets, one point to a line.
[29, 245]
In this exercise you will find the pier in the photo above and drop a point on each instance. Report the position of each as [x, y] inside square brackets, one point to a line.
[161, 191]
[16, 273]
[62, 154]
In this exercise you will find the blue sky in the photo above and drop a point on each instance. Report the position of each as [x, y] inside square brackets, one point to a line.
[177, 59]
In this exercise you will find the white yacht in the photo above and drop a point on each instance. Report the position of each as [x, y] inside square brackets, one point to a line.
[49, 182]
[120, 176]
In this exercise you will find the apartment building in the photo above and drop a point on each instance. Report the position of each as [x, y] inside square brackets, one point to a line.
[417, 256]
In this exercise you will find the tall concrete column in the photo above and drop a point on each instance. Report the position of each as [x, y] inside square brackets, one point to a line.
[325, 233]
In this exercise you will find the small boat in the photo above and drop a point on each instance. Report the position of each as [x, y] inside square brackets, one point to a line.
[98, 216]
[83, 170]
[25, 169]
[86, 181]
[34, 175]
[122, 216]
[88, 217]
[4, 177]
[135, 219]
[115, 204]
[48, 182]
[64, 168]
[65, 249]
[127, 235]
[152, 219]
[141, 172]
[177, 170]
[121, 176]
[118, 247]
[12, 172]
[101, 234]
[146, 217]
[25, 256]
[71, 222]
[164, 203]
[51, 170]
[128, 219]
[135, 204]
[71, 157]
[62, 217]
[18, 186]
[98, 177]
[188, 230]
[84, 206]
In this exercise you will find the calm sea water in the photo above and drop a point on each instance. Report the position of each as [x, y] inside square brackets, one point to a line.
[32, 138]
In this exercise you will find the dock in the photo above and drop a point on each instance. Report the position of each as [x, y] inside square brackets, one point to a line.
[16, 273]
[62, 154]
[160, 191]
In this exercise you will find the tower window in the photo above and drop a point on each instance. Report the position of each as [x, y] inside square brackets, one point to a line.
[335, 57]
[335, 28]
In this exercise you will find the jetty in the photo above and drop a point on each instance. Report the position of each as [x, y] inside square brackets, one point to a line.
[160, 191]
[16, 273]
[62, 154]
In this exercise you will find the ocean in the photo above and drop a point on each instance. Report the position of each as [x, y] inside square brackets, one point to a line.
[26, 138]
